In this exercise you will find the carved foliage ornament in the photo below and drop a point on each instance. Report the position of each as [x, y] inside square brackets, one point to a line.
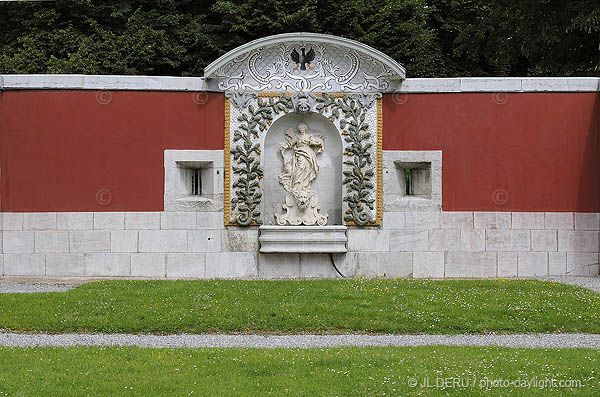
[245, 150]
[359, 170]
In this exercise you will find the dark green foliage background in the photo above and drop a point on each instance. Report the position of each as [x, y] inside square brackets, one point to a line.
[434, 38]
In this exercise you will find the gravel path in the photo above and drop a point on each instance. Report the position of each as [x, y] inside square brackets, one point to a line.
[301, 341]
[29, 288]
[592, 283]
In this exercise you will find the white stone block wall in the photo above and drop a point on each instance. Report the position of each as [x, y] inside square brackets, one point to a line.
[482, 244]
[197, 245]
[125, 244]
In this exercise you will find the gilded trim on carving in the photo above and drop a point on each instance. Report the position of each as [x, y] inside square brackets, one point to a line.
[270, 94]
[265, 94]
[379, 215]
[227, 166]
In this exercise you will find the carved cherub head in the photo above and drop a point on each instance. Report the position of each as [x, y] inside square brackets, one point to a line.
[302, 200]
[303, 102]
[303, 105]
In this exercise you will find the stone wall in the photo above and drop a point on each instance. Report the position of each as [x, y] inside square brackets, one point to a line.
[197, 245]
[416, 239]
[478, 244]
[93, 133]
[189, 240]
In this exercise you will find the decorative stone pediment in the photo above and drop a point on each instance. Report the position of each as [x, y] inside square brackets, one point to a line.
[309, 105]
[310, 62]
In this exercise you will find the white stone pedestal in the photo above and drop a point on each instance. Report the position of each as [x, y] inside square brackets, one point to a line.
[303, 239]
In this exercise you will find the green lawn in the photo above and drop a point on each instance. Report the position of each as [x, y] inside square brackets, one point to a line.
[332, 306]
[339, 371]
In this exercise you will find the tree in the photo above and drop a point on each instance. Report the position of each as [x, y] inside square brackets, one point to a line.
[534, 38]
[435, 38]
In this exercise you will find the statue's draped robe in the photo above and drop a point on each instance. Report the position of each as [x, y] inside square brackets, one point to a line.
[301, 168]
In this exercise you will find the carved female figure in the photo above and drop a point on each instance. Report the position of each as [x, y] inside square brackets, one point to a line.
[301, 168]
[299, 171]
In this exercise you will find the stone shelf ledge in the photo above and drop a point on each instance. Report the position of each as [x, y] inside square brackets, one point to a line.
[303, 239]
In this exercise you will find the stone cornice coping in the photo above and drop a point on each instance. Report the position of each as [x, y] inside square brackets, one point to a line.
[410, 85]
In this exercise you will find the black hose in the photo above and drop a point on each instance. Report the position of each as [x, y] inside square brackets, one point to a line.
[334, 266]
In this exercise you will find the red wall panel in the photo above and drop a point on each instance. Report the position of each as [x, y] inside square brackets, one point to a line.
[504, 152]
[98, 150]
[79, 150]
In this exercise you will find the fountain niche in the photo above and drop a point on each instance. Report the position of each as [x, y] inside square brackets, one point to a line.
[302, 185]
[303, 128]
[325, 182]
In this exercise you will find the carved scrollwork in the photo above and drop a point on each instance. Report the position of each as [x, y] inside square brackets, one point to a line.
[333, 69]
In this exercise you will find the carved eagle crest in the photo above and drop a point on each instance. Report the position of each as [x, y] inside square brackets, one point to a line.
[303, 59]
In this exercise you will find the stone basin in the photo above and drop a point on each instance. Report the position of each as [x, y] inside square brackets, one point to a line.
[303, 239]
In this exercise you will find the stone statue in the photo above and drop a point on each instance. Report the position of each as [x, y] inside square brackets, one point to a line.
[300, 168]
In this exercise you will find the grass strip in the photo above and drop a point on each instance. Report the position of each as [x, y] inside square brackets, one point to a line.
[431, 371]
[328, 306]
